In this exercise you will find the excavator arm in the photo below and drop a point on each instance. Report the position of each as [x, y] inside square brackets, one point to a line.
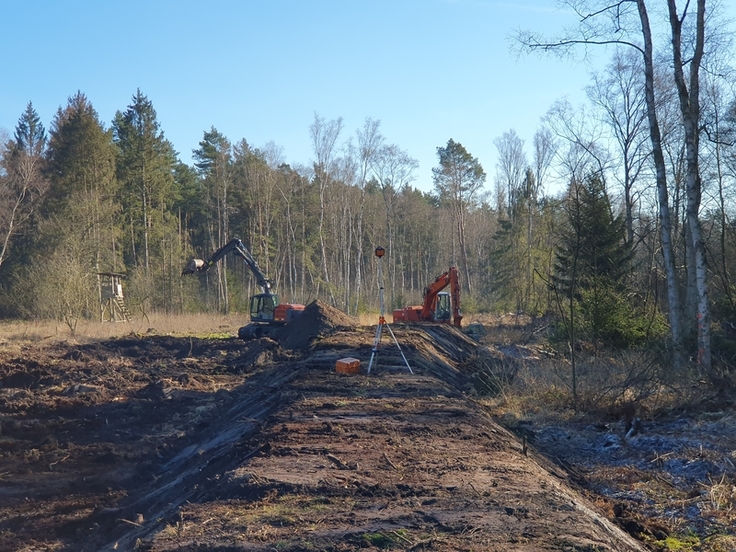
[431, 293]
[266, 311]
[236, 247]
[438, 305]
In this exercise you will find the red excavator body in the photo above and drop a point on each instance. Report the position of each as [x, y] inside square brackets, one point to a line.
[439, 306]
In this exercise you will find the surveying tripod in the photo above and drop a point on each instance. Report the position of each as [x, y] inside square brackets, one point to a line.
[380, 252]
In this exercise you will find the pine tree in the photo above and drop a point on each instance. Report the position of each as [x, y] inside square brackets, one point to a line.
[145, 168]
[458, 179]
[214, 162]
[592, 261]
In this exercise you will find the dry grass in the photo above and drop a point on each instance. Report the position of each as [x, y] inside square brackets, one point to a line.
[371, 318]
[604, 383]
[161, 324]
[722, 499]
[698, 516]
[266, 520]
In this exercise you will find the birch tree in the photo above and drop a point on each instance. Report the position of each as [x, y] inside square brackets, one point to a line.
[688, 89]
[394, 171]
[619, 95]
[324, 135]
[23, 185]
[627, 23]
[370, 143]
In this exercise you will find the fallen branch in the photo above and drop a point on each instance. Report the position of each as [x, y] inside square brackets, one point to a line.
[422, 544]
[402, 537]
[52, 464]
[339, 463]
[394, 466]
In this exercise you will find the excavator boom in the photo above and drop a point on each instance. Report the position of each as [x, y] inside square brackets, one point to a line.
[237, 247]
[265, 310]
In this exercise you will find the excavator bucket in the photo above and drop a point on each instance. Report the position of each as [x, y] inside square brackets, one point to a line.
[192, 266]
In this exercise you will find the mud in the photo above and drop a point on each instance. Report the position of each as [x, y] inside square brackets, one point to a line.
[318, 319]
[163, 443]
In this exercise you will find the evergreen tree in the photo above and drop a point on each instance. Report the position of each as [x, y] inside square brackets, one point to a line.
[78, 229]
[213, 160]
[502, 270]
[188, 207]
[81, 169]
[145, 169]
[458, 179]
[30, 135]
[592, 244]
[592, 261]
[518, 253]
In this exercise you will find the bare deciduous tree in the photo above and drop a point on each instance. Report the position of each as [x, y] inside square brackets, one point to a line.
[370, 143]
[586, 152]
[394, 170]
[545, 148]
[22, 184]
[688, 89]
[627, 23]
[510, 167]
[324, 136]
[619, 94]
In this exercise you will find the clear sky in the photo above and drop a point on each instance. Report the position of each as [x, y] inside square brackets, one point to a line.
[429, 70]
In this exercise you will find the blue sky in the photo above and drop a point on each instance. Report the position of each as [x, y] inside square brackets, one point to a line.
[429, 70]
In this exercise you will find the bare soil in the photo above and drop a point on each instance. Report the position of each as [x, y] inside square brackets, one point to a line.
[180, 443]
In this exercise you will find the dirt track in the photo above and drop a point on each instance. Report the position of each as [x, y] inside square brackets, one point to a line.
[161, 443]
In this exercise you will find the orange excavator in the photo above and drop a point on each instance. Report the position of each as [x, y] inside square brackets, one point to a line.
[439, 306]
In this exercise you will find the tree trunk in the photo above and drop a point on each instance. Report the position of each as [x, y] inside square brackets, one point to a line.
[145, 221]
[673, 298]
[690, 109]
[463, 250]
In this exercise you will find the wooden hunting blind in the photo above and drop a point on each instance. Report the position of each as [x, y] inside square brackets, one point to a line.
[112, 303]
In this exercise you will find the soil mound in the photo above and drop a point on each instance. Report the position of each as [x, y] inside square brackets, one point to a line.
[317, 319]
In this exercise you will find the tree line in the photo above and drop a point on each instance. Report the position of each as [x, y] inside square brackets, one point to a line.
[638, 248]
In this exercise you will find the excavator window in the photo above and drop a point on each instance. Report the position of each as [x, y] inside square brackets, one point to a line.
[443, 310]
[262, 307]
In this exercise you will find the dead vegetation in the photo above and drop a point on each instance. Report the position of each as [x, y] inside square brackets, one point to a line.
[44, 331]
[654, 449]
[173, 442]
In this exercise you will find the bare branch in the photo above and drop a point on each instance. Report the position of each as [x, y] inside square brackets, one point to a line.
[616, 6]
[547, 46]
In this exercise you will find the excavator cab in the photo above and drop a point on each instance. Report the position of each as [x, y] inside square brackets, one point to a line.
[443, 307]
[263, 307]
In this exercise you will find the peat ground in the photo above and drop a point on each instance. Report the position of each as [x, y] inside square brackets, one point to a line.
[179, 443]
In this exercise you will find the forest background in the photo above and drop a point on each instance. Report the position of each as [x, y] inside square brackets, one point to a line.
[636, 251]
